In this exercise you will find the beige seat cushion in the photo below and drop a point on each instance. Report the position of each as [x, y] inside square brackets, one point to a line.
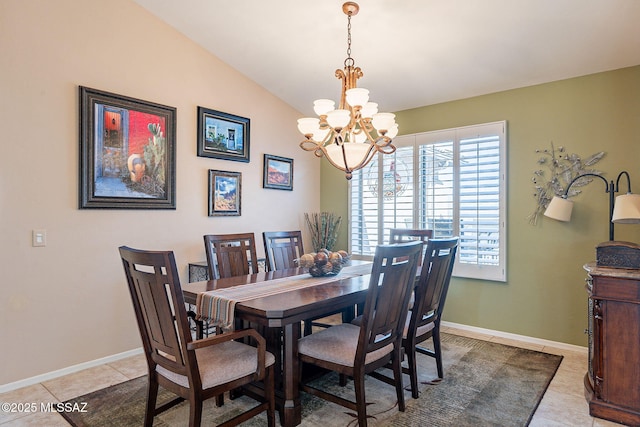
[338, 344]
[221, 363]
[421, 329]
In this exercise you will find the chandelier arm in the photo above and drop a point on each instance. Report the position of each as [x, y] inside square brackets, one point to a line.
[383, 141]
[366, 127]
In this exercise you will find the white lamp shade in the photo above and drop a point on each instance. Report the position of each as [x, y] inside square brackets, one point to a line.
[360, 137]
[323, 106]
[357, 96]
[321, 134]
[308, 125]
[383, 121]
[368, 110]
[559, 209]
[338, 119]
[355, 153]
[393, 131]
[627, 209]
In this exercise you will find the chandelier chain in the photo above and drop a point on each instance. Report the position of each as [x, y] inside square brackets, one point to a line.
[349, 61]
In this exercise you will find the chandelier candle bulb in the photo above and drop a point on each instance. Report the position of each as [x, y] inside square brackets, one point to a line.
[368, 110]
[308, 125]
[357, 97]
[338, 119]
[383, 121]
[323, 106]
[392, 132]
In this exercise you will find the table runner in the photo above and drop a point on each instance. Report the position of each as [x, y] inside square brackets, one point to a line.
[218, 306]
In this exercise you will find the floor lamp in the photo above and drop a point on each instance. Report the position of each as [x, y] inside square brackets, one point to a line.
[624, 210]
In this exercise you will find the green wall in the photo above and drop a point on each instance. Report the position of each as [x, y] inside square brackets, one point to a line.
[544, 296]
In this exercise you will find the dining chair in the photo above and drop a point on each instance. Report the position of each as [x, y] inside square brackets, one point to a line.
[355, 350]
[399, 235]
[282, 248]
[423, 319]
[231, 255]
[194, 370]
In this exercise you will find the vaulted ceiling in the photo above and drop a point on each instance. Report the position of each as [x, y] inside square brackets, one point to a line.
[412, 52]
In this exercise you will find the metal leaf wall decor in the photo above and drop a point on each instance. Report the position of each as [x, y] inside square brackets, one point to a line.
[557, 169]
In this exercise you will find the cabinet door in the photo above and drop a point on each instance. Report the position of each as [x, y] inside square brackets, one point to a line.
[621, 353]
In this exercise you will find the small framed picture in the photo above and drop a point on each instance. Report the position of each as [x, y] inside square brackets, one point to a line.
[127, 152]
[278, 172]
[222, 135]
[225, 190]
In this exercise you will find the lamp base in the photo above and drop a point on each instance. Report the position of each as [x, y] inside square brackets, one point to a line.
[618, 255]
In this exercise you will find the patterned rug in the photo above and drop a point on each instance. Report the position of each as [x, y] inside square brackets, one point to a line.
[485, 384]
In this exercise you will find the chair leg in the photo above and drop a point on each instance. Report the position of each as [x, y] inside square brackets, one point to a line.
[269, 396]
[152, 396]
[195, 411]
[307, 327]
[397, 377]
[437, 349]
[413, 371]
[361, 403]
[342, 380]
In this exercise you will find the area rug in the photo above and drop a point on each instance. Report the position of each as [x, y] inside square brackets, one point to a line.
[485, 384]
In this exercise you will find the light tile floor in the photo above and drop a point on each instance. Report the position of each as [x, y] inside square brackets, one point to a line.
[563, 404]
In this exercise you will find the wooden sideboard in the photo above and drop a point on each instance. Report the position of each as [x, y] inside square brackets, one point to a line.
[612, 383]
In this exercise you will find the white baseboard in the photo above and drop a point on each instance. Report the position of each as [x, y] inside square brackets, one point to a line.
[523, 338]
[68, 370]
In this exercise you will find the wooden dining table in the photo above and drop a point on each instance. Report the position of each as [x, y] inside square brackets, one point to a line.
[279, 316]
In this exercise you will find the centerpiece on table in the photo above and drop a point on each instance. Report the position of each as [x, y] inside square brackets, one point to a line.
[324, 262]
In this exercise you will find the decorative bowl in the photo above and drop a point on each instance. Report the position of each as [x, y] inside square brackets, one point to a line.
[323, 262]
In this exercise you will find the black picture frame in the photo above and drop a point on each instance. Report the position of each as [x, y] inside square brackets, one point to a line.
[225, 193]
[223, 136]
[127, 152]
[277, 172]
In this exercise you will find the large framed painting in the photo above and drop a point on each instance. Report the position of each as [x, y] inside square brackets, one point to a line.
[278, 172]
[127, 152]
[225, 193]
[223, 136]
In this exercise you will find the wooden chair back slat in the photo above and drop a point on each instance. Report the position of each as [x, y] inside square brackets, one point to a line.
[230, 255]
[159, 305]
[282, 248]
[392, 279]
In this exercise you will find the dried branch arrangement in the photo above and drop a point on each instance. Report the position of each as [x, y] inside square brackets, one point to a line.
[324, 228]
[558, 169]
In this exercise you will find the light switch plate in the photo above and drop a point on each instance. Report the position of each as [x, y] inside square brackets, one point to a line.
[39, 238]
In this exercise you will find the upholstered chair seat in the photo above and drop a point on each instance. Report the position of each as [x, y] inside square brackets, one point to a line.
[210, 359]
[422, 329]
[338, 344]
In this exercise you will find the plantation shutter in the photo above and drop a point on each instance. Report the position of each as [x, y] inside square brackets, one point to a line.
[450, 181]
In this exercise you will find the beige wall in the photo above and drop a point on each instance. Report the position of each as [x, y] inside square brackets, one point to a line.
[544, 296]
[67, 303]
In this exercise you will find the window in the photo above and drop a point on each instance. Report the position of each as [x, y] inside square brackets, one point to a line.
[450, 181]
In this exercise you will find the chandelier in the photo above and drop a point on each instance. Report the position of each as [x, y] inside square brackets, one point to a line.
[351, 135]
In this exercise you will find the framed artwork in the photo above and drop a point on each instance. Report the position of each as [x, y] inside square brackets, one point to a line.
[127, 152]
[278, 172]
[225, 191]
[223, 136]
